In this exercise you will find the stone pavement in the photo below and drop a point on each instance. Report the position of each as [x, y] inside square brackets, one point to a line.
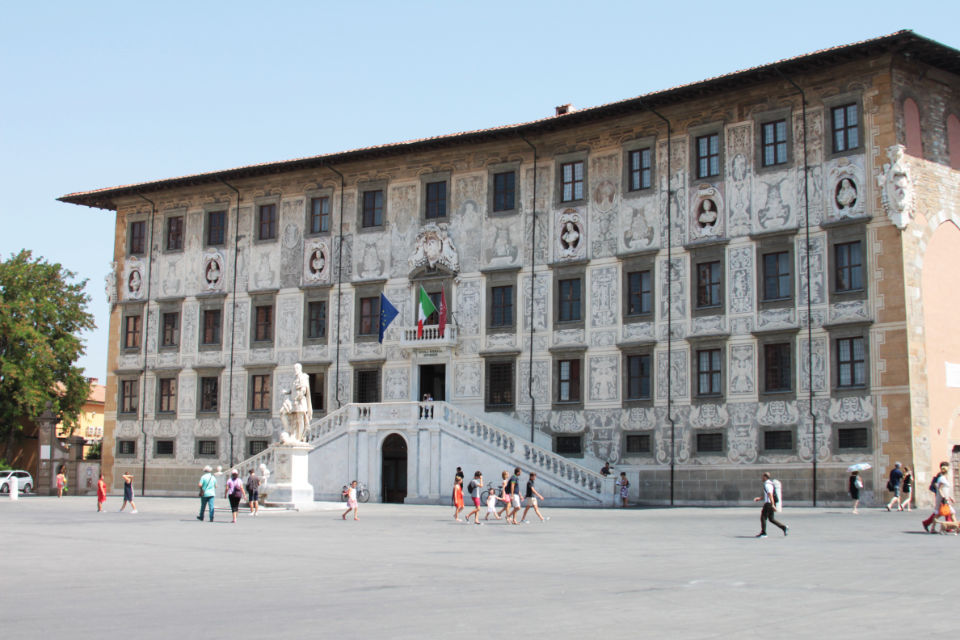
[412, 572]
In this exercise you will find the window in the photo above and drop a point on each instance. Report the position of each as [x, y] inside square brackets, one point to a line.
[263, 323]
[436, 200]
[845, 123]
[708, 284]
[131, 332]
[639, 293]
[848, 263]
[212, 321]
[571, 181]
[500, 386]
[170, 329]
[639, 169]
[138, 237]
[369, 316]
[319, 215]
[569, 300]
[710, 442]
[777, 367]
[163, 448]
[708, 372]
[367, 385]
[206, 448]
[638, 377]
[129, 396]
[852, 438]
[209, 394]
[708, 155]
[267, 222]
[372, 209]
[216, 228]
[256, 446]
[568, 381]
[317, 319]
[316, 392]
[501, 306]
[851, 362]
[504, 191]
[126, 448]
[175, 233]
[774, 143]
[568, 445]
[776, 276]
[639, 443]
[260, 392]
[167, 398]
[779, 440]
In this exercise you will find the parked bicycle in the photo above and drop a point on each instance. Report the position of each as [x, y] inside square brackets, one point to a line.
[362, 494]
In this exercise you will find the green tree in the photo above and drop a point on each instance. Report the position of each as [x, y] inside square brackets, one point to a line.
[41, 315]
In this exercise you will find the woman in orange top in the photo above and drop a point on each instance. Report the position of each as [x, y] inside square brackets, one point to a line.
[101, 493]
[457, 498]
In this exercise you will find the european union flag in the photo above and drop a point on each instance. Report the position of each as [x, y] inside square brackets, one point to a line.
[387, 313]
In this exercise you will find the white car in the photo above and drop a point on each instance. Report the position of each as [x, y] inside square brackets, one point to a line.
[24, 479]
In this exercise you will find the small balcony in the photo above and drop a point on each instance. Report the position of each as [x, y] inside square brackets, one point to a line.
[431, 338]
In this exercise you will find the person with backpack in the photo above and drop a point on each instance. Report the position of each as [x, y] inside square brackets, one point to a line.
[940, 486]
[771, 499]
[234, 493]
[893, 484]
[474, 490]
[208, 491]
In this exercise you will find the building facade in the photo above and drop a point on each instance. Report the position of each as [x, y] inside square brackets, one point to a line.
[743, 274]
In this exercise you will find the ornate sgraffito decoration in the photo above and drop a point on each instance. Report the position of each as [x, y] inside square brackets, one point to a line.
[706, 209]
[212, 277]
[433, 247]
[571, 235]
[316, 262]
[845, 190]
[110, 285]
[896, 187]
[134, 284]
[851, 409]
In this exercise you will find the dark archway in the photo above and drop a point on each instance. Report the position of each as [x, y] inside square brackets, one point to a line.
[393, 469]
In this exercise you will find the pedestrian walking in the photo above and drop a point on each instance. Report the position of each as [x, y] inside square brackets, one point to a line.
[513, 488]
[770, 499]
[208, 492]
[128, 492]
[623, 488]
[61, 482]
[253, 492]
[941, 489]
[474, 489]
[532, 500]
[907, 492]
[234, 493]
[352, 501]
[893, 484]
[101, 493]
[855, 484]
[457, 497]
[505, 480]
[492, 498]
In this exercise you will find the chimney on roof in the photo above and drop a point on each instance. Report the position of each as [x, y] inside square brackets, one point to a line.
[564, 109]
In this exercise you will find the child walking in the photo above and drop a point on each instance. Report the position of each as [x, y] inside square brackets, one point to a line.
[352, 501]
[457, 498]
[492, 498]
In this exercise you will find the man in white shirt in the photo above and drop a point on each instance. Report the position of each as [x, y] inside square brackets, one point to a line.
[769, 502]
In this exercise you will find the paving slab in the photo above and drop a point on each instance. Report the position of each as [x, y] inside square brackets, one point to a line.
[412, 572]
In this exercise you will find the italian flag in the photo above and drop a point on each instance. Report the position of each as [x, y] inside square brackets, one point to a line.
[426, 307]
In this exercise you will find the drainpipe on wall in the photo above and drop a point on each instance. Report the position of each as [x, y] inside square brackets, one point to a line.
[233, 314]
[533, 277]
[146, 333]
[806, 224]
[336, 380]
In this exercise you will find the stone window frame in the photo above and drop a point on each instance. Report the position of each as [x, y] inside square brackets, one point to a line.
[121, 406]
[699, 131]
[252, 373]
[777, 337]
[569, 272]
[634, 264]
[776, 243]
[208, 210]
[156, 448]
[843, 332]
[367, 367]
[567, 354]
[556, 437]
[762, 444]
[202, 374]
[702, 255]
[492, 280]
[638, 144]
[829, 104]
[132, 310]
[249, 442]
[361, 291]
[120, 446]
[724, 443]
[626, 352]
[632, 434]
[168, 216]
[161, 378]
[492, 171]
[263, 299]
[772, 116]
[209, 304]
[316, 294]
[321, 368]
[839, 234]
[558, 162]
[166, 308]
[500, 359]
[138, 219]
[835, 436]
[372, 185]
[703, 344]
[309, 197]
[198, 447]
[264, 201]
[432, 178]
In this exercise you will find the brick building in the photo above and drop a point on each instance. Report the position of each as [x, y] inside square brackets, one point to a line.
[660, 282]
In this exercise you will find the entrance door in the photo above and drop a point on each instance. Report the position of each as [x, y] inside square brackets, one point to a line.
[393, 471]
[433, 380]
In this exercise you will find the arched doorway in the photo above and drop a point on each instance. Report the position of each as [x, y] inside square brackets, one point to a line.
[393, 470]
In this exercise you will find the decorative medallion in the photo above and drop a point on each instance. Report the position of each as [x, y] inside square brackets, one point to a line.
[433, 247]
[845, 197]
[133, 285]
[571, 235]
[316, 263]
[212, 279]
[706, 207]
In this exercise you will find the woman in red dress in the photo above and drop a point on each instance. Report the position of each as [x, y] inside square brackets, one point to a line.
[101, 493]
[457, 498]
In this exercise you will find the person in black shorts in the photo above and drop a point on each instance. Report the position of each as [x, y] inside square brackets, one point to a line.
[532, 495]
[253, 492]
[513, 490]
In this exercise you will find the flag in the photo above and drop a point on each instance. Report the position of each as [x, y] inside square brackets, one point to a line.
[426, 307]
[443, 310]
[387, 313]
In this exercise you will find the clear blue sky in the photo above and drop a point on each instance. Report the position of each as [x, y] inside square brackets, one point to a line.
[99, 94]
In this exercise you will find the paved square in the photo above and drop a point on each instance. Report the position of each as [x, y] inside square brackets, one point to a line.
[412, 572]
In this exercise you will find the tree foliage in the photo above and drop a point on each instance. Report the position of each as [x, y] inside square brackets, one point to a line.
[41, 316]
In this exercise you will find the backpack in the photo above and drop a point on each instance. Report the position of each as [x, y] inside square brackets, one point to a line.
[933, 483]
[471, 487]
[777, 489]
[238, 490]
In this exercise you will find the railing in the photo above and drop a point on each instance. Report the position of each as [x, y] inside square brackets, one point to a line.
[431, 336]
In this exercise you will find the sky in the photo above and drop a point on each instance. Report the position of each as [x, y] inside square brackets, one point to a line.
[99, 94]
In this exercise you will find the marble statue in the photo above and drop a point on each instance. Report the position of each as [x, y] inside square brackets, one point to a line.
[297, 410]
[846, 194]
[111, 285]
[896, 188]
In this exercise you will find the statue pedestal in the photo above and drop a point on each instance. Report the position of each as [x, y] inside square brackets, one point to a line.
[288, 485]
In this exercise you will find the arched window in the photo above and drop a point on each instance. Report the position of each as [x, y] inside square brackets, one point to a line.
[911, 126]
[953, 141]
